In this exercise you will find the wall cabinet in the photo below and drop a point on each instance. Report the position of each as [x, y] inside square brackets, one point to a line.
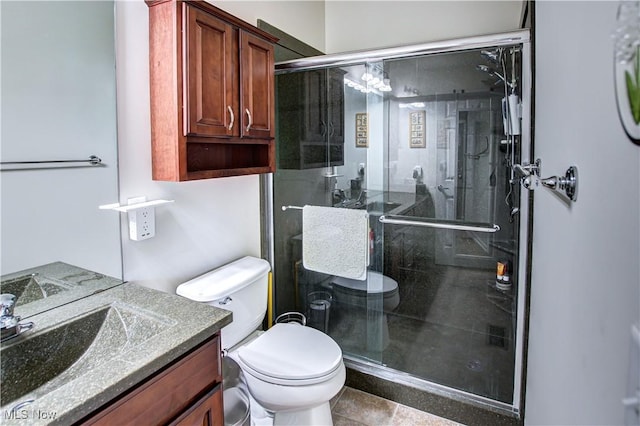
[212, 93]
[311, 119]
[189, 391]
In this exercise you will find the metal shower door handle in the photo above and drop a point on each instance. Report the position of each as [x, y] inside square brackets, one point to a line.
[440, 224]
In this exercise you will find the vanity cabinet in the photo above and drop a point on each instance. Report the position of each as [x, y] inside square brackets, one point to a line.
[311, 119]
[206, 412]
[212, 93]
[187, 392]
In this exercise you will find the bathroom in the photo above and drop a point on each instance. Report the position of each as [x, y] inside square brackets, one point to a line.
[581, 306]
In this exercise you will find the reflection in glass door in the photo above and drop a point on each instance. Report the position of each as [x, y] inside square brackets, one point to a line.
[454, 324]
[426, 146]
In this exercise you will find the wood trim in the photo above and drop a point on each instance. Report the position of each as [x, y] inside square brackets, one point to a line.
[165, 74]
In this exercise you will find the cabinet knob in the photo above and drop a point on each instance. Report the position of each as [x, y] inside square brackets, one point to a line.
[232, 117]
[250, 120]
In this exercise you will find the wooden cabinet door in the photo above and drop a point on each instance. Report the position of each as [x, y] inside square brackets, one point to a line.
[257, 87]
[211, 69]
[206, 412]
[315, 108]
[335, 107]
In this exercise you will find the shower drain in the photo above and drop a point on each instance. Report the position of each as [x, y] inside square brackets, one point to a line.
[475, 365]
[496, 336]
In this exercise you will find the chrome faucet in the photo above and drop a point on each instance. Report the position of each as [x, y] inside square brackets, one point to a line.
[339, 196]
[10, 324]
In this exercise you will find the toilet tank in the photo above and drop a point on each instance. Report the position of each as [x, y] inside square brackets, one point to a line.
[240, 287]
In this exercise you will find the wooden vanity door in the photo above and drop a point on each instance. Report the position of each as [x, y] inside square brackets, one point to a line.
[211, 82]
[207, 412]
[257, 87]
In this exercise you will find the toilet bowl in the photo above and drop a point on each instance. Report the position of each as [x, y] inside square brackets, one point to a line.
[355, 292]
[291, 371]
[356, 297]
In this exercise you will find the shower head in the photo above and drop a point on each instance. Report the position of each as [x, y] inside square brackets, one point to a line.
[492, 55]
[490, 71]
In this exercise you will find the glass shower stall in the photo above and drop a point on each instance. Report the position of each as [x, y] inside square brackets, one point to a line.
[425, 139]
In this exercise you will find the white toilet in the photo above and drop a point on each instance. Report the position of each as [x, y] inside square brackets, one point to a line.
[291, 371]
[355, 292]
[352, 294]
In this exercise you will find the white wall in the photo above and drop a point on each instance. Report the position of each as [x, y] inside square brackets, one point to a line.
[58, 103]
[212, 221]
[358, 25]
[585, 284]
[582, 303]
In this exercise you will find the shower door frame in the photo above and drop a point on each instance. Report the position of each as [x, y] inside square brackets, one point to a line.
[520, 37]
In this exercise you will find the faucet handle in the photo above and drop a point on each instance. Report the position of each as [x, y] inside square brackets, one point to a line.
[7, 303]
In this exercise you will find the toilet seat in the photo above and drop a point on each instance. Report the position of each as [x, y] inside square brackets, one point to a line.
[291, 355]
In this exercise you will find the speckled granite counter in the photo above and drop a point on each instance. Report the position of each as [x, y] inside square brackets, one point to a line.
[389, 202]
[157, 327]
[44, 287]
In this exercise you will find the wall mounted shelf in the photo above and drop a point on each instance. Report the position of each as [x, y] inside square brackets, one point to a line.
[124, 208]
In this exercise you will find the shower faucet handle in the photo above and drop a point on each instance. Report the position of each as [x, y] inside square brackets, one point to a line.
[526, 169]
[530, 182]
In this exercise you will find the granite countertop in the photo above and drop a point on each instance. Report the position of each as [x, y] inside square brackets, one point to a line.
[405, 201]
[44, 287]
[152, 329]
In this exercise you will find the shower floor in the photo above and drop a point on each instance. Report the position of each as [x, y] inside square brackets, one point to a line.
[451, 327]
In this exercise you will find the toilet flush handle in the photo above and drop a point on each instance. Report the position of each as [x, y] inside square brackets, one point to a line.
[225, 301]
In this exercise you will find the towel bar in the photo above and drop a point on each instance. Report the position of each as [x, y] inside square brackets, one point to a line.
[440, 224]
[22, 165]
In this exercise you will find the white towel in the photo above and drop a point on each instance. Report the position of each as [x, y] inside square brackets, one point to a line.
[335, 241]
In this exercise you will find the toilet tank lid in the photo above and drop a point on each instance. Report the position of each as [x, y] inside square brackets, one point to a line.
[225, 280]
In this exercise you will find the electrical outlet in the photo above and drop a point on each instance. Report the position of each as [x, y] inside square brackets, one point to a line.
[142, 223]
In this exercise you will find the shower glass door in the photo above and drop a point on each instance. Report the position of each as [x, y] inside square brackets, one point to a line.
[447, 168]
[426, 143]
[329, 127]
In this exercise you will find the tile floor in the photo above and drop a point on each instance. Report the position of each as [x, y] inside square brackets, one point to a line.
[450, 328]
[352, 407]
